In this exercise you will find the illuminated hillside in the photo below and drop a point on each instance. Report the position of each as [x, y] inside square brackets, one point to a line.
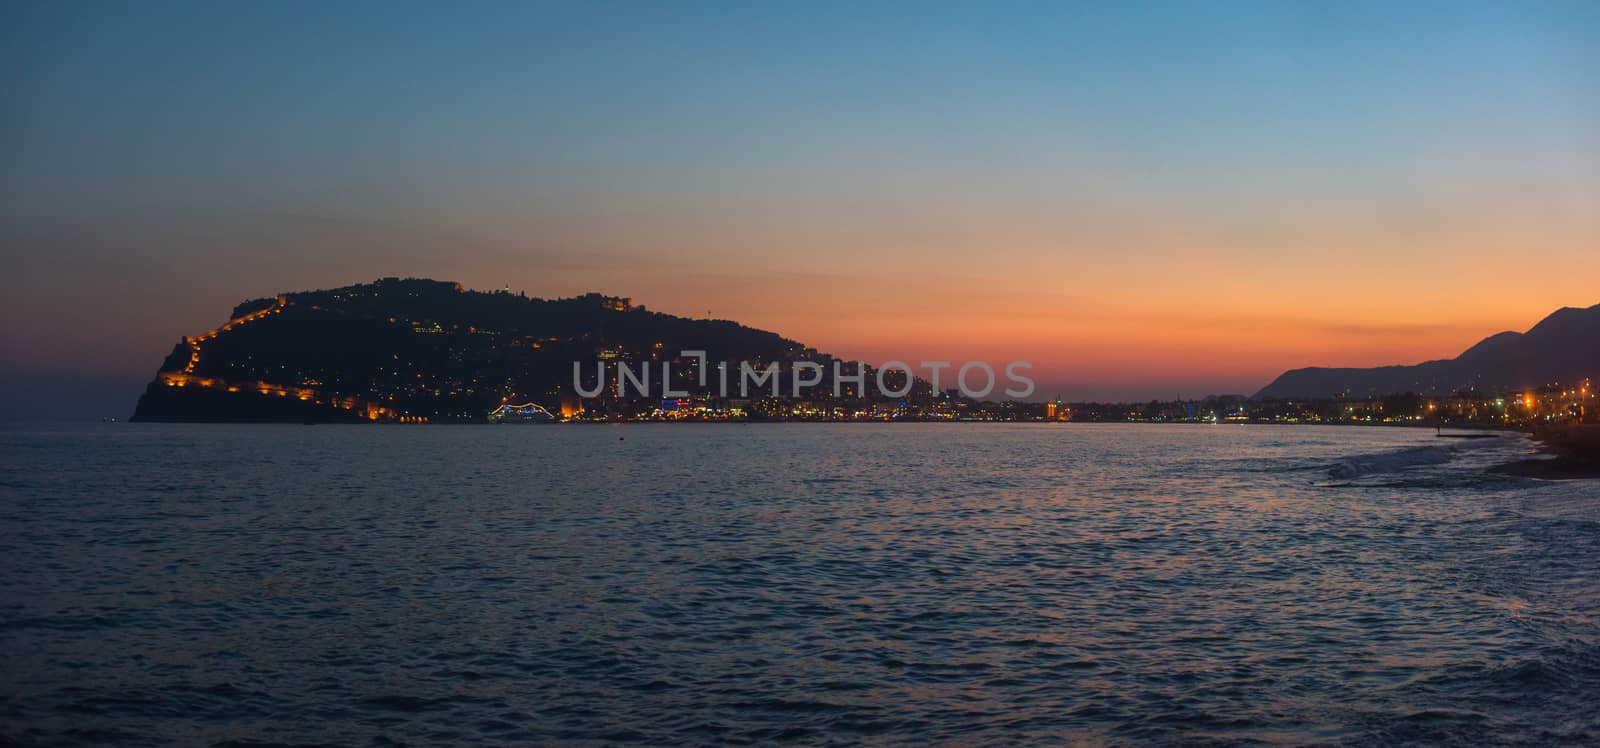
[411, 350]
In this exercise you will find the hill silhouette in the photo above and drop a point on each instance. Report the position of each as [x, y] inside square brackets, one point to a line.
[417, 349]
[1563, 347]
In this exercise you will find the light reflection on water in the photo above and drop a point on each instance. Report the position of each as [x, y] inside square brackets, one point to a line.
[829, 583]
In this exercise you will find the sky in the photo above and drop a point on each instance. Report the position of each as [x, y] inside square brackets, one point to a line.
[1141, 199]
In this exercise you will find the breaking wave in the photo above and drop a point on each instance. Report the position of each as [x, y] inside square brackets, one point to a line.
[1474, 453]
[1389, 462]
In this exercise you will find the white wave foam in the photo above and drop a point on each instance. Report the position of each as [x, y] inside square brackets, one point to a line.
[1389, 462]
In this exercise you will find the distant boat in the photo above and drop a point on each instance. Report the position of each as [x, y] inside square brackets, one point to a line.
[525, 413]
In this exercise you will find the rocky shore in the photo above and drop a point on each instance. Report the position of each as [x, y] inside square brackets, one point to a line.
[1575, 450]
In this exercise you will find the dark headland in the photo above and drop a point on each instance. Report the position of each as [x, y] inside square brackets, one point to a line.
[415, 350]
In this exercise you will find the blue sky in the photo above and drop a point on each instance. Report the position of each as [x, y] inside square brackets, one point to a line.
[166, 160]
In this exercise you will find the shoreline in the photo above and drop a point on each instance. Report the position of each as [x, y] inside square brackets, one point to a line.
[1461, 431]
[1456, 431]
[1575, 450]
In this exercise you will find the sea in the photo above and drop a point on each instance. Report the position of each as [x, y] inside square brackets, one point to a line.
[815, 584]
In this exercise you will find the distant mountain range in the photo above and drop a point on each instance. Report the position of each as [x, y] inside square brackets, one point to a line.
[1563, 347]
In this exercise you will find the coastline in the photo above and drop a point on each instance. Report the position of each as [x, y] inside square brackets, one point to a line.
[1575, 450]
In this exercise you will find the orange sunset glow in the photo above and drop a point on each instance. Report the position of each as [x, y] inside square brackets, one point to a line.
[695, 373]
[1197, 227]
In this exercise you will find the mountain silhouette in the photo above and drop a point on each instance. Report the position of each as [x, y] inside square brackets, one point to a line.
[404, 349]
[1563, 347]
